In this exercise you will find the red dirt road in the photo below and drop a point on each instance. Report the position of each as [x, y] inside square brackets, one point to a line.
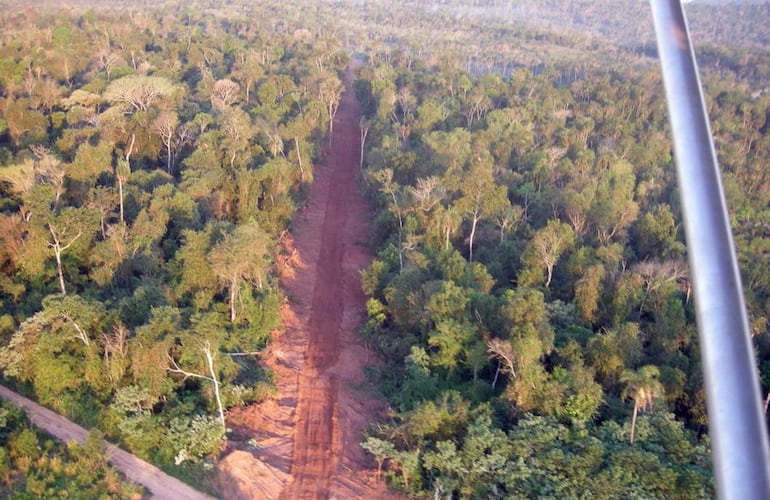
[307, 439]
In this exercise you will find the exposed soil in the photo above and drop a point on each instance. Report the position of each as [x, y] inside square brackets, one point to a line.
[304, 443]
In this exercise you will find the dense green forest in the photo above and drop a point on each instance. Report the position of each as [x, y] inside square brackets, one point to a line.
[530, 299]
[150, 163]
[531, 292]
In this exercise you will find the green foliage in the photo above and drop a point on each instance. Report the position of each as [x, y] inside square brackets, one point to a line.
[530, 261]
[143, 185]
[50, 469]
[529, 250]
[194, 438]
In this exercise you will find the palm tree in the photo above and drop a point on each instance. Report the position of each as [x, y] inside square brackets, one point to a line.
[643, 387]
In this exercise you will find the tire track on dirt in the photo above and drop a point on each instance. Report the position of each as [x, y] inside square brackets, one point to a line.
[315, 457]
[305, 442]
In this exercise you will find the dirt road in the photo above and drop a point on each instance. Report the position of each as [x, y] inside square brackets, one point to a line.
[160, 484]
[304, 443]
[330, 417]
[307, 439]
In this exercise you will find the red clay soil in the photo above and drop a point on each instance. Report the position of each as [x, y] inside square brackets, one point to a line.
[304, 443]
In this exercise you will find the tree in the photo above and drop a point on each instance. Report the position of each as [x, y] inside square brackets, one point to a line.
[656, 234]
[24, 125]
[610, 352]
[238, 131]
[576, 203]
[481, 198]
[122, 172]
[502, 351]
[297, 130]
[544, 251]
[382, 450]
[59, 236]
[57, 348]
[531, 337]
[643, 386]
[45, 171]
[449, 149]
[115, 346]
[329, 91]
[588, 290]
[363, 126]
[106, 61]
[225, 93]
[205, 349]
[196, 276]
[391, 188]
[449, 339]
[165, 125]
[66, 228]
[661, 276]
[248, 70]
[240, 257]
[139, 92]
[507, 218]
[613, 208]
[90, 163]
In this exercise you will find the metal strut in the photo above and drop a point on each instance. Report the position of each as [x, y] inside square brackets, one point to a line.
[739, 438]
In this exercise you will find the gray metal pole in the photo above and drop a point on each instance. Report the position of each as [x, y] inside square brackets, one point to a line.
[737, 427]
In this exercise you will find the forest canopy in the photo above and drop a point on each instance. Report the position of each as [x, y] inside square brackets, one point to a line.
[530, 299]
[150, 162]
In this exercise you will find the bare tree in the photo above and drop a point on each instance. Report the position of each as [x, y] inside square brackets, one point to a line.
[59, 247]
[212, 377]
[656, 275]
[106, 61]
[502, 351]
[224, 93]
[427, 193]
[165, 126]
[116, 351]
[363, 125]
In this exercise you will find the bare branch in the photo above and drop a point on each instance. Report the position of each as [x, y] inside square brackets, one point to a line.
[176, 369]
[502, 351]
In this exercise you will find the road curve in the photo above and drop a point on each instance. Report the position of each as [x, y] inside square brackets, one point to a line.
[161, 485]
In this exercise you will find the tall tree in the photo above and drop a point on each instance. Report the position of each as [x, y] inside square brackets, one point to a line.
[240, 257]
[643, 386]
[613, 207]
[544, 251]
[393, 191]
[165, 125]
[208, 354]
[481, 198]
[139, 92]
[329, 91]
